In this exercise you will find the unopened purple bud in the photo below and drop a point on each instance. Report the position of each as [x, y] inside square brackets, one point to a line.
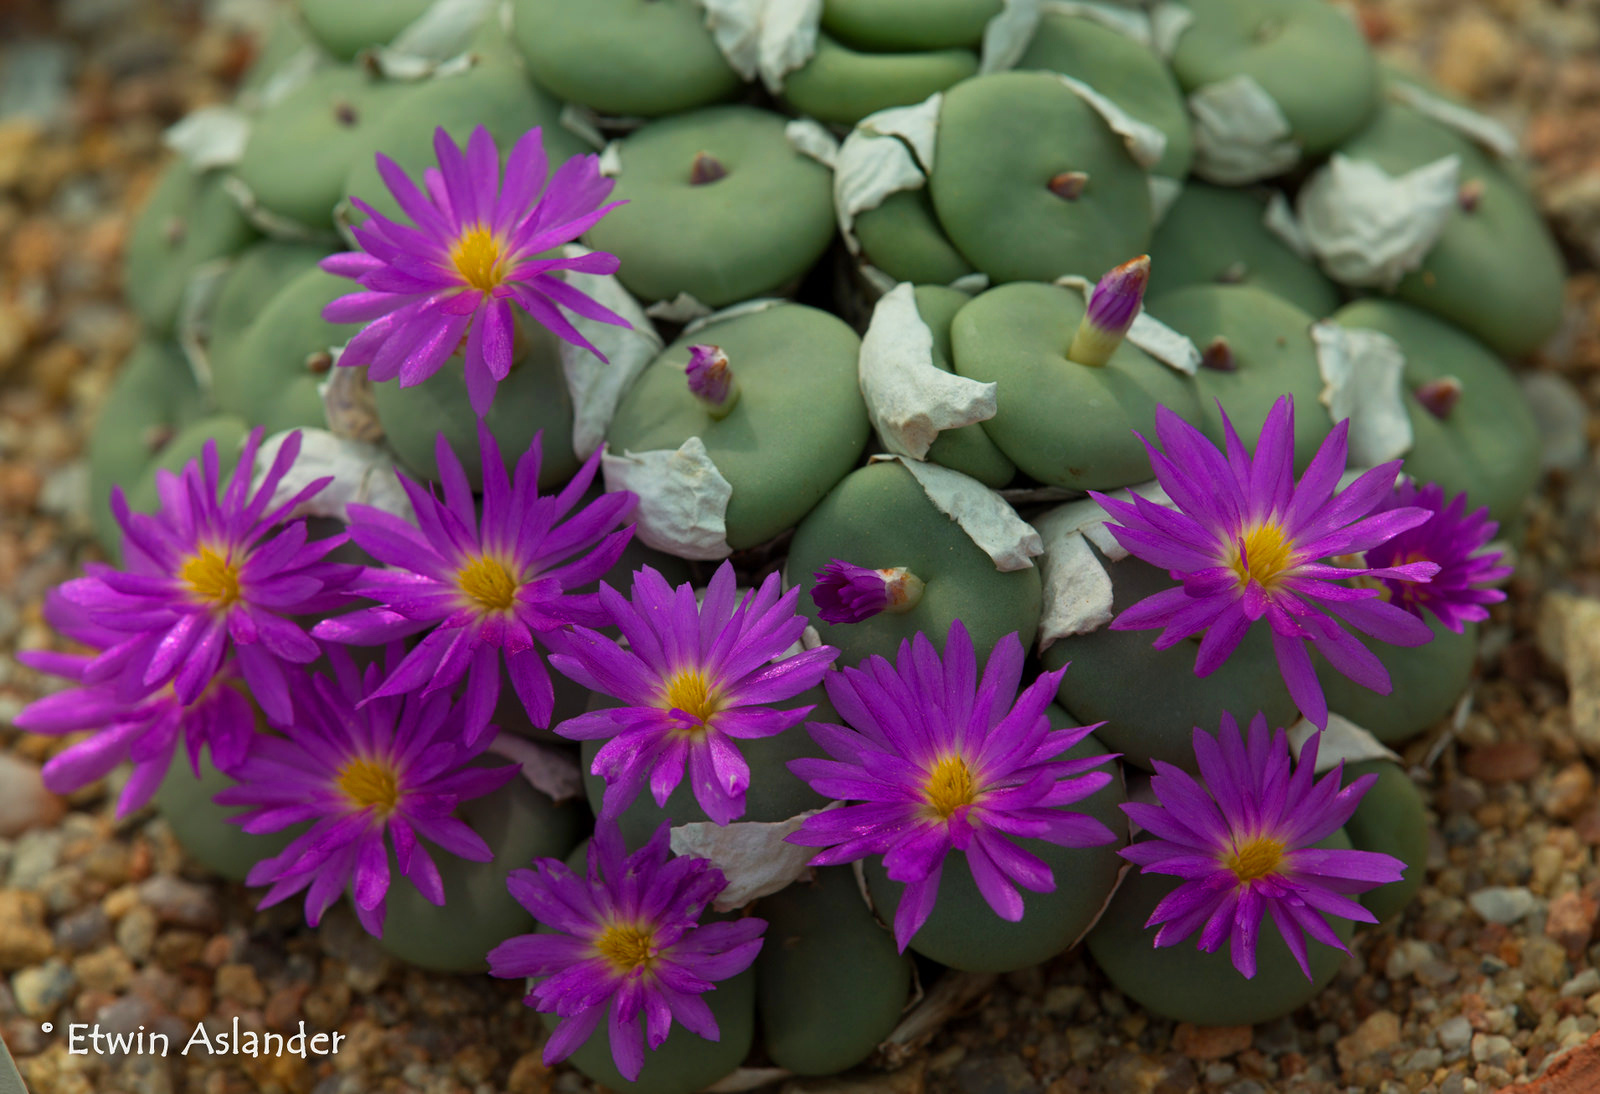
[711, 380]
[847, 593]
[1113, 306]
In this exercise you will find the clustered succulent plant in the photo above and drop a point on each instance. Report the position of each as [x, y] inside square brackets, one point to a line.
[775, 423]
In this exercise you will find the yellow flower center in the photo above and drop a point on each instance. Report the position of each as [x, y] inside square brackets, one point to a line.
[477, 258]
[370, 785]
[212, 577]
[688, 691]
[1258, 858]
[950, 786]
[1264, 554]
[488, 583]
[627, 947]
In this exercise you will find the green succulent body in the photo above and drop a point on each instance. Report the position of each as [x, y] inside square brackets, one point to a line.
[830, 984]
[1002, 140]
[634, 58]
[1496, 271]
[842, 86]
[1487, 445]
[778, 462]
[520, 824]
[1306, 54]
[880, 517]
[1269, 353]
[1215, 235]
[1392, 819]
[189, 220]
[1124, 71]
[1062, 422]
[747, 233]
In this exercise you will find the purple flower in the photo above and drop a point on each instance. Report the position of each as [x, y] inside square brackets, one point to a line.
[208, 575]
[1113, 306]
[711, 380]
[487, 588]
[694, 680]
[627, 944]
[847, 593]
[1242, 845]
[1246, 541]
[370, 772]
[474, 251]
[1453, 539]
[145, 731]
[942, 761]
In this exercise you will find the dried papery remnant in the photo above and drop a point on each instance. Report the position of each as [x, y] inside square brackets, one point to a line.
[1440, 396]
[1470, 195]
[1068, 185]
[706, 168]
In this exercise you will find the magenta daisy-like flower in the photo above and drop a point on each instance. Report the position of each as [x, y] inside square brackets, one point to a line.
[847, 593]
[626, 944]
[1241, 841]
[694, 680]
[939, 761]
[144, 731]
[1454, 539]
[1248, 544]
[215, 571]
[371, 773]
[472, 251]
[488, 588]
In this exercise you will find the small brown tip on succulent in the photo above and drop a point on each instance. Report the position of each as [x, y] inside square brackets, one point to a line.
[345, 114]
[706, 168]
[1439, 397]
[158, 437]
[174, 230]
[1470, 195]
[1218, 356]
[1234, 274]
[1267, 30]
[319, 362]
[1068, 185]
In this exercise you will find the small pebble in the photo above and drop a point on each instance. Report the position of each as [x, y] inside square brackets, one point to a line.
[41, 989]
[1501, 904]
[24, 801]
[1585, 983]
[1456, 1034]
[182, 902]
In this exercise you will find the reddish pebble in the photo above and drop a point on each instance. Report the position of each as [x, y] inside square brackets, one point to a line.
[1571, 920]
[1503, 762]
[1575, 1072]
[1211, 1042]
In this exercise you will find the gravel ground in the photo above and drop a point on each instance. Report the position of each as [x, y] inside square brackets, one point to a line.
[1489, 980]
